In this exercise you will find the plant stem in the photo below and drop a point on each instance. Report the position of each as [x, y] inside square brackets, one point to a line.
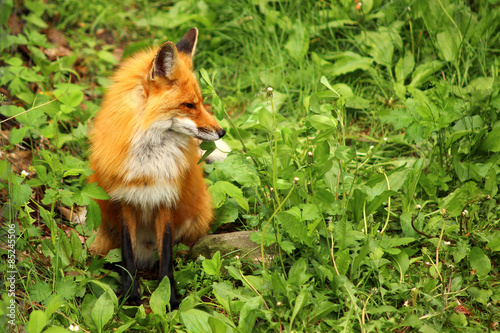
[267, 225]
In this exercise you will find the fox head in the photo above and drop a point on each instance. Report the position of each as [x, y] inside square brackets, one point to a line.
[172, 94]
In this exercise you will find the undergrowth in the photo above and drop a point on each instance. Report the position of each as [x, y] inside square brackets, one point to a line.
[365, 142]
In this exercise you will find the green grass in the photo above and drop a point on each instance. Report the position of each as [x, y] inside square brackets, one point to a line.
[382, 121]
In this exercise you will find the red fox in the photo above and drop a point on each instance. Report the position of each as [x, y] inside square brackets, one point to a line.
[145, 156]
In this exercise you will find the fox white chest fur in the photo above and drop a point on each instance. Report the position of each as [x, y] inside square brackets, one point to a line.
[155, 162]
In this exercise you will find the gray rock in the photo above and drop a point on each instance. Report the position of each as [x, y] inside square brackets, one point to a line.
[231, 244]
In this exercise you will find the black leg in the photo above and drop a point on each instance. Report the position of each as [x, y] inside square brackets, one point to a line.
[167, 267]
[130, 284]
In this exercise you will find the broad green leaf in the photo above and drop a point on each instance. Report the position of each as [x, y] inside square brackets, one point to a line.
[64, 250]
[72, 98]
[95, 192]
[300, 301]
[107, 57]
[396, 180]
[458, 319]
[225, 292]
[480, 295]
[494, 244]
[102, 311]
[228, 212]
[382, 309]
[196, 320]
[214, 265]
[5, 10]
[248, 314]
[220, 189]
[5, 169]
[344, 153]
[423, 72]
[53, 305]
[221, 324]
[160, 298]
[460, 250]
[206, 77]
[455, 202]
[266, 119]
[342, 89]
[40, 292]
[17, 135]
[20, 194]
[208, 147]
[491, 142]
[448, 43]
[238, 168]
[298, 274]
[363, 252]
[93, 216]
[399, 118]
[125, 327]
[349, 62]
[323, 123]
[325, 82]
[479, 261]
[37, 321]
[87, 306]
[468, 123]
[76, 245]
[481, 84]
[66, 287]
[343, 260]
[298, 41]
[382, 47]
[405, 66]
[91, 190]
[217, 107]
[321, 311]
[413, 321]
[402, 263]
[293, 226]
[310, 212]
[390, 242]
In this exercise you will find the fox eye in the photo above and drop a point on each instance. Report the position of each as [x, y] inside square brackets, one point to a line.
[189, 105]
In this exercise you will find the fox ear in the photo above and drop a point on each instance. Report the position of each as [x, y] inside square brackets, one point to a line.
[188, 43]
[165, 61]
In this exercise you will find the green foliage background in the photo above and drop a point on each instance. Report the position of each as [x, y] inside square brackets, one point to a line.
[371, 164]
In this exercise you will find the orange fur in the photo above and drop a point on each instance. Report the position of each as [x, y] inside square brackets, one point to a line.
[145, 156]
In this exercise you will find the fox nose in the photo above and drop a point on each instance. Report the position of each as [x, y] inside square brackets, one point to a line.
[221, 133]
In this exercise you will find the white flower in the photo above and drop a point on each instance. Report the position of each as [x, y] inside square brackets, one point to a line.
[24, 173]
[74, 328]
